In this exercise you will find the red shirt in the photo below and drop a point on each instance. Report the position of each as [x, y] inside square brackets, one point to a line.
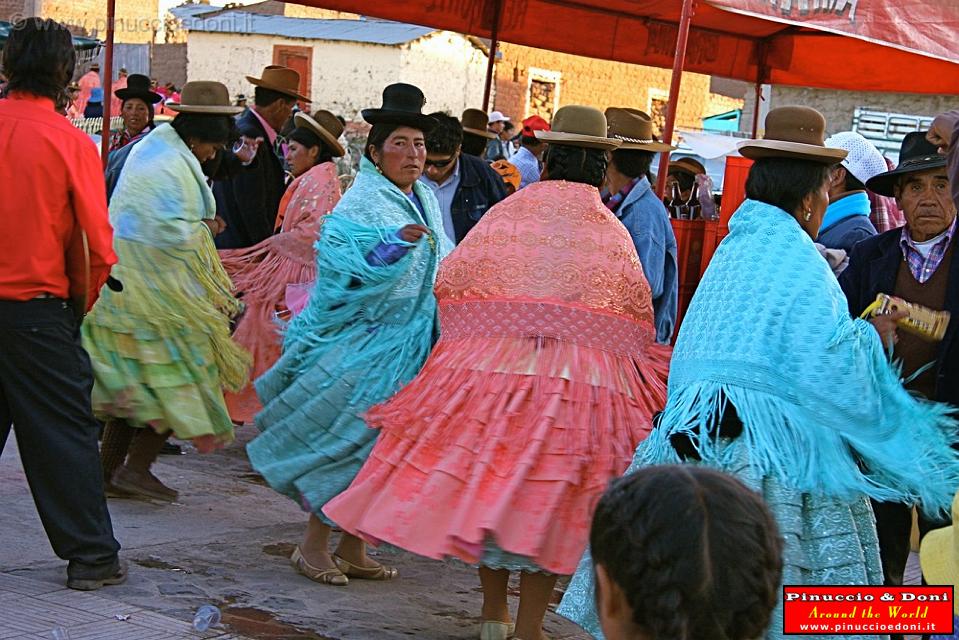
[51, 187]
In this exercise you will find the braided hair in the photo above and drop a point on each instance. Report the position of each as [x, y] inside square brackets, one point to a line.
[697, 554]
[575, 164]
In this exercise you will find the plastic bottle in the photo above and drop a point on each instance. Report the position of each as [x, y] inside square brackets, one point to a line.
[206, 617]
[59, 633]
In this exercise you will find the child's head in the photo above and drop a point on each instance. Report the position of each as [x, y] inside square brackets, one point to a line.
[684, 553]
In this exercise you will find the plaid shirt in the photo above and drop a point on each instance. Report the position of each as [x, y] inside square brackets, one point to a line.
[613, 201]
[923, 268]
[885, 213]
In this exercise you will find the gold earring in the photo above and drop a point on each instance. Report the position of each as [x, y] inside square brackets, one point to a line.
[808, 215]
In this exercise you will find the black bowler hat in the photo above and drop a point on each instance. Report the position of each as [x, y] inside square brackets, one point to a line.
[402, 104]
[138, 86]
[917, 154]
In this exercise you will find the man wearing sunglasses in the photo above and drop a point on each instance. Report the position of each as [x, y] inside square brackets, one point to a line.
[465, 186]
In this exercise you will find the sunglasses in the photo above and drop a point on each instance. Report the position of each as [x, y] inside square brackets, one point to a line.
[439, 164]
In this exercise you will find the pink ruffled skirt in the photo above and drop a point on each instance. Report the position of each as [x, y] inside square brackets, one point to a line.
[504, 443]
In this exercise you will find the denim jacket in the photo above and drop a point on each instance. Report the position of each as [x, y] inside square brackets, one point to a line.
[480, 188]
[646, 220]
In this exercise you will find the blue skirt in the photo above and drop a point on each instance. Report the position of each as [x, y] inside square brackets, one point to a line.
[827, 542]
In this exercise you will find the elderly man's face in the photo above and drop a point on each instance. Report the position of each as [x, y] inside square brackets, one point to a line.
[926, 200]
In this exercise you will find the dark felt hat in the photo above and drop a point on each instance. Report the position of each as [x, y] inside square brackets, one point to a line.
[138, 86]
[917, 154]
[402, 104]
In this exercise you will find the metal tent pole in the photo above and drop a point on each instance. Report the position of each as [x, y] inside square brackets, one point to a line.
[107, 83]
[494, 45]
[682, 40]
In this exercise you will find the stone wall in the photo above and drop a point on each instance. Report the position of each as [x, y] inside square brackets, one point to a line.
[600, 83]
[839, 106]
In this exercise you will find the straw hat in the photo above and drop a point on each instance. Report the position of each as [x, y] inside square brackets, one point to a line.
[634, 128]
[206, 97]
[917, 154]
[326, 125]
[939, 554]
[579, 126]
[474, 121]
[280, 79]
[793, 132]
[402, 105]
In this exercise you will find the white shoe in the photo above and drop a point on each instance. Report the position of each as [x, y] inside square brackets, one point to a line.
[493, 630]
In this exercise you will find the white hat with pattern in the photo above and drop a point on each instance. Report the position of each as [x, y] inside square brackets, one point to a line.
[864, 160]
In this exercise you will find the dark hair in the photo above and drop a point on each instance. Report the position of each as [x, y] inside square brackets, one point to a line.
[632, 163]
[216, 129]
[575, 164]
[853, 183]
[446, 136]
[685, 179]
[378, 136]
[309, 139]
[784, 182]
[508, 126]
[697, 554]
[263, 97]
[473, 144]
[39, 58]
[530, 141]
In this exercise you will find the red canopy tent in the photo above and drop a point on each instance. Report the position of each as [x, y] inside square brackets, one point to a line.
[859, 45]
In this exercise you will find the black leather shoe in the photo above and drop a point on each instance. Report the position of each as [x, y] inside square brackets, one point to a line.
[85, 582]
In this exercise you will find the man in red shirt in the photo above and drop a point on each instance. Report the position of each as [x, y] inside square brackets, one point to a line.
[55, 254]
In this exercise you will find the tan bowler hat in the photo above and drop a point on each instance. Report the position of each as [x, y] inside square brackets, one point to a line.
[203, 96]
[793, 132]
[474, 121]
[326, 125]
[280, 79]
[579, 126]
[634, 128]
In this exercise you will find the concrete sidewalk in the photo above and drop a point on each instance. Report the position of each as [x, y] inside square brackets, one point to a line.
[226, 543]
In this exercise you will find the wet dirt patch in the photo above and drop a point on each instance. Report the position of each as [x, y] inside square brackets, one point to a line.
[263, 625]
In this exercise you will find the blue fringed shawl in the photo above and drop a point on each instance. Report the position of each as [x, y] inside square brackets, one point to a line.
[387, 313]
[822, 408]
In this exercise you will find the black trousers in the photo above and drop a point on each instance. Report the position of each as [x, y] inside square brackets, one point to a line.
[894, 527]
[45, 384]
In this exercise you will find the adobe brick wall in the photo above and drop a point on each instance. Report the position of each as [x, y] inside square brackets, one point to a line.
[10, 9]
[839, 106]
[601, 83]
[135, 19]
[169, 63]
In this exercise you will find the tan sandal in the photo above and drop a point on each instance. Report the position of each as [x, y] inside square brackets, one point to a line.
[496, 630]
[379, 572]
[333, 577]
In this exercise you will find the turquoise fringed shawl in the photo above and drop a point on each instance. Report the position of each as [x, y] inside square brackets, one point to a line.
[387, 312]
[822, 408]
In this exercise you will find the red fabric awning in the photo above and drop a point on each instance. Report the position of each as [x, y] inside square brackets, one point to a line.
[859, 45]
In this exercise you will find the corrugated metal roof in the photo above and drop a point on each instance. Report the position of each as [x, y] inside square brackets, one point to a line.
[366, 30]
[186, 11]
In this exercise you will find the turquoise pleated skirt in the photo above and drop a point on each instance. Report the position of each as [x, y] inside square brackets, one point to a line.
[827, 542]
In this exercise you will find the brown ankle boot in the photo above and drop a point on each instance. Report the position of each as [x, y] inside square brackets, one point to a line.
[117, 436]
[135, 477]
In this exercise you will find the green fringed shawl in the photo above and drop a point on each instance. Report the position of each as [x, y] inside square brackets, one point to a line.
[388, 313]
[822, 408]
[173, 279]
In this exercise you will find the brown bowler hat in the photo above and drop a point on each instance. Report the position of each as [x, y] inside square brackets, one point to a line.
[280, 79]
[326, 125]
[793, 132]
[474, 121]
[579, 126]
[207, 97]
[635, 129]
